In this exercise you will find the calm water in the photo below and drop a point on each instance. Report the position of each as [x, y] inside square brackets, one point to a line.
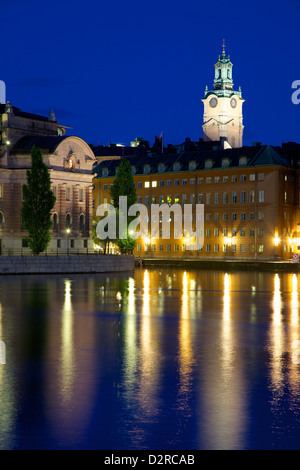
[160, 359]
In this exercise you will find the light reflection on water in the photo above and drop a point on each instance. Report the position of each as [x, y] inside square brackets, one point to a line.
[162, 359]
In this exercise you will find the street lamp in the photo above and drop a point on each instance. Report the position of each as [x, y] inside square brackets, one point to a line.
[68, 231]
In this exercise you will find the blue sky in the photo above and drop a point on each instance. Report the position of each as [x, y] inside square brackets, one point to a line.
[117, 70]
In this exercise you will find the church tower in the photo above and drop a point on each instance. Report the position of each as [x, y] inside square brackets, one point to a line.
[223, 117]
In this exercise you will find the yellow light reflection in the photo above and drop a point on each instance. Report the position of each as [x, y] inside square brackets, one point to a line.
[186, 358]
[277, 342]
[295, 303]
[67, 353]
[149, 357]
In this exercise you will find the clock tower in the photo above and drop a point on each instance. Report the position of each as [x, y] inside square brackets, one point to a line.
[223, 117]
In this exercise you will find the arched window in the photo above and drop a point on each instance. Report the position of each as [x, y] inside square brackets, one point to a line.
[219, 73]
[81, 223]
[68, 220]
[228, 73]
[55, 222]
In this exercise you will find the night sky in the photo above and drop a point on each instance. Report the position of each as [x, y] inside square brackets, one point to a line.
[116, 70]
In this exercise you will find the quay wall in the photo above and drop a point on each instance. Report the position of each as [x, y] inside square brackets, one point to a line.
[67, 264]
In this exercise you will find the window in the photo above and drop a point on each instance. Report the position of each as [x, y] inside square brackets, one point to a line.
[81, 223]
[169, 182]
[146, 169]
[176, 182]
[225, 179]
[243, 197]
[184, 198]
[55, 222]
[216, 198]
[234, 178]
[1, 219]
[105, 187]
[153, 247]
[146, 200]
[176, 166]
[252, 196]
[168, 247]
[68, 221]
[208, 198]
[105, 172]
[208, 248]
[225, 248]
[243, 178]
[161, 247]
[67, 194]
[251, 232]
[260, 248]
[80, 195]
[200, 180]
[58, 243]
[140, 200]
[261, 196]
[176, 247]
[233, 248]
[216, 232]
[225, 232]
[192, 181]
[184, 182]
[216, 248]
[233, 197]
[243, 216]
[217, 179]
[208, 232]
[147, 184]
[234, 216]
[192, 165]
[242, 248]
[251, 216]
[233, 232]
[285, 196]
[72, 243]
[252, 177]
[208, 180]
[161, 200]
[261, 216]
[161, 167]
[200, 198]
[216, 217]
[1, 191]
[261, 176]
[161, 184]
[243, 161]
[225, 162]
[133, 170]
[208, 217]
[154, 184]
[251, 248]
[208, 163]
[260, 232]
[225, 217]
[225, 198]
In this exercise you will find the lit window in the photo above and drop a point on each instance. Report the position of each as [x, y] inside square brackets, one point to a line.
[154, 184]
[147, 184]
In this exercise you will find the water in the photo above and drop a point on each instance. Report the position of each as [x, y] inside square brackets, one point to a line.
[162, 359]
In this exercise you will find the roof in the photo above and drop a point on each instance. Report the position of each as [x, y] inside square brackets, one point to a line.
[255, 156]
[20, 113]
[49, 143]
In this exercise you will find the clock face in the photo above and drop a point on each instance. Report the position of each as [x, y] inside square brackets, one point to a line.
[213, 102]
[70, 163]
[233, 102]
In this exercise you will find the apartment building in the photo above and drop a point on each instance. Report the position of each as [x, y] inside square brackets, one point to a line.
[250, 197]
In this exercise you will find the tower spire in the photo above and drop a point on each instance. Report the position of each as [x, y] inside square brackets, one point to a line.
[223, 51]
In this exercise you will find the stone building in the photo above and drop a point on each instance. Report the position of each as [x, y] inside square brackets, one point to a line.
[70, 161]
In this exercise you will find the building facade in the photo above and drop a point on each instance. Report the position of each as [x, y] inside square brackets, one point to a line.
[250, 197]
[70, 161]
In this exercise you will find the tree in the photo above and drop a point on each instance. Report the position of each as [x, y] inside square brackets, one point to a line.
[38, 202]
[123, 185]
